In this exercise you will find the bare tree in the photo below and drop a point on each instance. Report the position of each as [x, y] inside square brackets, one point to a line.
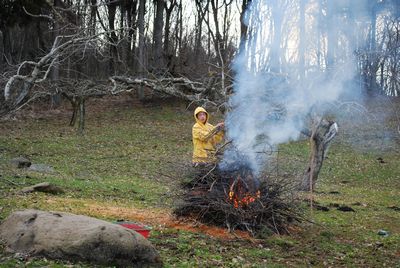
[302, 37]
[277, 20]
[1, 48]
[243, 24]
[131, 17]
[168, 13]
[141, 56]
[158, 62]
[321, 134]
[112, 8]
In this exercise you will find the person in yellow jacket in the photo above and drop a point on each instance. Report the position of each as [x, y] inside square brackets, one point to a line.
[205, 137]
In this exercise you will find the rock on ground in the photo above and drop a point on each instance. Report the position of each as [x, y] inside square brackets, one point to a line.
[65, 236]
[42, 168]
[21, 162]
[45, 187]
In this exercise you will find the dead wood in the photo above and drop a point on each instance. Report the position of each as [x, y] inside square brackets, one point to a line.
[206, 197]
[180, 87]
[43, 187]
[320, 138]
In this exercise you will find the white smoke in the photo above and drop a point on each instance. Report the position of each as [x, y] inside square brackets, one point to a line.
[270, 108]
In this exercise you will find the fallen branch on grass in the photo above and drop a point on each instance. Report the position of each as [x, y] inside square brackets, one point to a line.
[179, 87]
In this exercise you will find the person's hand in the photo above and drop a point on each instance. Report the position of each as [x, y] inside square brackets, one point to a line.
[221, 125]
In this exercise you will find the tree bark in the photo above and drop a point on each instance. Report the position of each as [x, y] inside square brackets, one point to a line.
[201, 13]
[179, 28]
[243, 25]
[55, 70]
[142, 63]
[75, 109]
[1, 50]
[275, 55]
[331, 19]
[319, 34]
[92, 20]
[218, 41]
[372, 63]
[321, 136]
[82, 111]
[112, 8]
[158, 58]
[132, 24]
[168, 11]
[302, 41]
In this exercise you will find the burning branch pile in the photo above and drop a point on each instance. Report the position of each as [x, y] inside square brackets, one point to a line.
[236, 199]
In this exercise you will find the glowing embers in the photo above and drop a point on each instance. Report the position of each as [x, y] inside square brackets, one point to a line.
[244, 190]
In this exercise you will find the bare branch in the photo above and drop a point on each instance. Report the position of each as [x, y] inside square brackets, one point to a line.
[39, 16]
[179, 87]
[43, 66]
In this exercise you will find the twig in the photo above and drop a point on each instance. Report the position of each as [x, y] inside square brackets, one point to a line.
[209, 172]
[38, 16]
[13, 183]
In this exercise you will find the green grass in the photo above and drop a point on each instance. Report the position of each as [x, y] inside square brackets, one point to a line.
[130, 158]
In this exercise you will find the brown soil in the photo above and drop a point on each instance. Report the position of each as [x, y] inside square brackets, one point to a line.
[164, 219]
[158, 219]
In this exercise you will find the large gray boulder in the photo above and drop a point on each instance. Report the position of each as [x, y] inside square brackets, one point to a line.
[66, 236]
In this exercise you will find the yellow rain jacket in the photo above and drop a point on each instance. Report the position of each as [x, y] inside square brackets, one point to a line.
[205, 139]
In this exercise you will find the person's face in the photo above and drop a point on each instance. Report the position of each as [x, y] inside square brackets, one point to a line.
[202, 116]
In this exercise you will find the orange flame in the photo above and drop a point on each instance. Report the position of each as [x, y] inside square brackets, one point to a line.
[242, 202]
[240, 197]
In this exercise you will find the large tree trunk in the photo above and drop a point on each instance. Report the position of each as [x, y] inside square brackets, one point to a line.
[1, 49]
[75, 108]
[112, 8]
[302, 45]
[92, 19]
[142, 63]
[275, 55]
[158, 57]
[218, 40]
[243, 24]
[322, 134]
[91, 62]
[319, 34]
[82, 111]
[202, 10]
[131, 21]
[55, 70]
[331, 19]
[372, 63]
[198, 32]
[7, 45]
[168, 11]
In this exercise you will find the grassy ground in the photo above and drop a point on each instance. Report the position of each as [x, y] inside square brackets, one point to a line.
[125, 167]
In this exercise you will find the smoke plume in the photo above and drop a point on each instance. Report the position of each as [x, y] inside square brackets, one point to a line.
[272, 102]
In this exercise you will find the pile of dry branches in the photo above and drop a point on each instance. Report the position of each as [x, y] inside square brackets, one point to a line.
[207, 197]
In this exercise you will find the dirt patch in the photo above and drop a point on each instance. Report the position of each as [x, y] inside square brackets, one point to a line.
[152, 217]
[164, 219]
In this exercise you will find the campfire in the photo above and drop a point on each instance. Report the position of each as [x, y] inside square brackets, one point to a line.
[244, 190]
[237, 199]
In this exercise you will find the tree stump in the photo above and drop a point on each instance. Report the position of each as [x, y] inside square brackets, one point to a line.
[320, 137]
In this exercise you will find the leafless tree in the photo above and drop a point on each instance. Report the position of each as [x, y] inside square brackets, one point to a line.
[158, 56]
